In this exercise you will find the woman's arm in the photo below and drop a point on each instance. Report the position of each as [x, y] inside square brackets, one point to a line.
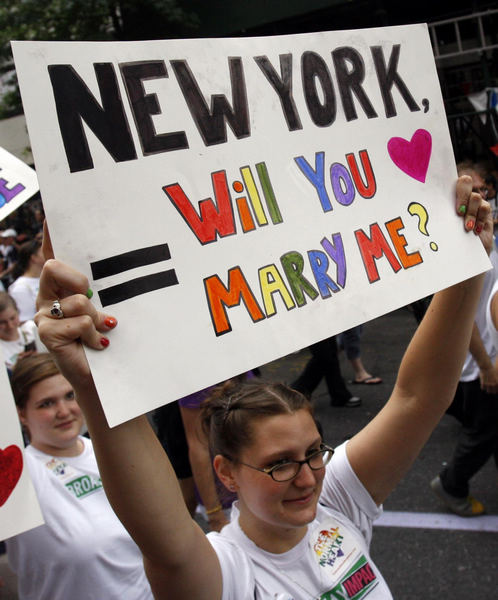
[383, 451]
[202, 470]
[138, 478]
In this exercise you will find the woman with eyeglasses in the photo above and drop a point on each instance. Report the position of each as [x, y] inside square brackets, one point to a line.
[303, 521]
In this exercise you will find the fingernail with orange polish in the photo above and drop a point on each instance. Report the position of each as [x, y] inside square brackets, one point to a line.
[104, 341]
[110, 322]
[469, 225]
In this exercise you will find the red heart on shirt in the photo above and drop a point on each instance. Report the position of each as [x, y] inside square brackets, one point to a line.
[10, 470]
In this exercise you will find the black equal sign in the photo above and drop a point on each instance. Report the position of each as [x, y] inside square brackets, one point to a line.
[131, 260]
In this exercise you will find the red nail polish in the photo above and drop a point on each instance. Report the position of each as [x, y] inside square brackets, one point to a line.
[469, 225]
[478, 228]
[104, 341]
[110, 322]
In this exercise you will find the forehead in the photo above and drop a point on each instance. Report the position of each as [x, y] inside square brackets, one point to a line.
[7, 313]
[292, 433]
[52, 386]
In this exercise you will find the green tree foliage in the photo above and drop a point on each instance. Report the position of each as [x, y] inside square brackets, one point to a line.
[83, 20]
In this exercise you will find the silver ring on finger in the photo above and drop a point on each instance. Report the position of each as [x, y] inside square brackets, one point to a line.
[56, 310]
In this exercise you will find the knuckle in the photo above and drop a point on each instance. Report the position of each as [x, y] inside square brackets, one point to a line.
[86, 322]
[51, 265]
[80, 303]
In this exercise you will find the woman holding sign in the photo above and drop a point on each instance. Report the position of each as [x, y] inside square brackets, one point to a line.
[302, 524]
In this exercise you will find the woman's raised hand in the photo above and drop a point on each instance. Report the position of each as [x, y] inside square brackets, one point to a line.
[81, 322]
[475, 211]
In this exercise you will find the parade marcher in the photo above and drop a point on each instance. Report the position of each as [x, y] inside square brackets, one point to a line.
[16, 340]
[302, 524]
[82, 550]
[27, 274]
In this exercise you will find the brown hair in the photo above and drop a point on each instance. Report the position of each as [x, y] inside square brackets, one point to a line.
[29, 371]
[229, 414]
[25, 253]
[7, 301]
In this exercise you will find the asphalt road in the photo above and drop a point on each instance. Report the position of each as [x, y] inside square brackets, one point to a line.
[418, 561]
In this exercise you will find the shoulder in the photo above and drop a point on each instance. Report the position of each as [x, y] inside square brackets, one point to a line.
[19, 283]
[343, 492]
[236, 566]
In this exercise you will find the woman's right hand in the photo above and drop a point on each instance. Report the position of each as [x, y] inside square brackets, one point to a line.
[81, 324]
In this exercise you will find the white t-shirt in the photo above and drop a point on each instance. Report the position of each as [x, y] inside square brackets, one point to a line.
[24, 291]
[470, 370]
[83, 551]
[489, 321]
[27, 333]
[331, 561]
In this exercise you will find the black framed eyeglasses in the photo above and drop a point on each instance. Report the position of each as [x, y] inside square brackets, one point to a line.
[288, 469]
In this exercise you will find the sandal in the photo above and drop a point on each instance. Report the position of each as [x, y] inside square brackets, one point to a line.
[372, 380]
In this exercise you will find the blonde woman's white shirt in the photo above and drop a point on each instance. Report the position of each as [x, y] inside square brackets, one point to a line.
[82, 552]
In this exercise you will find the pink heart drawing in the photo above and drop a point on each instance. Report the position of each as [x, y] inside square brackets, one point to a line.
[413, 156]
[10, 471]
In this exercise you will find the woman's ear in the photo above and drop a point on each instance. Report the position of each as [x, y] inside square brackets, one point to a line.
[22, 418]
[225, 471]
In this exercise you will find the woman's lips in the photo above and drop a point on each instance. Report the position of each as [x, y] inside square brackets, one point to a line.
[301, 500]
[64, 425]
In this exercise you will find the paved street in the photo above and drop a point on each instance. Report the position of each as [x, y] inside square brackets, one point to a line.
[418, 562]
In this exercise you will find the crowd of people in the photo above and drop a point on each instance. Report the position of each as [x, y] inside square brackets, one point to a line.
[21, 263]
[249, 452]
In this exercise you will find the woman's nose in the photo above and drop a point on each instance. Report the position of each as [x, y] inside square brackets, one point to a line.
[305, 477]
[62, 408]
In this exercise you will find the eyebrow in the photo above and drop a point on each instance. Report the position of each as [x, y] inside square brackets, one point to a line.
[279, 454]
[42, 400]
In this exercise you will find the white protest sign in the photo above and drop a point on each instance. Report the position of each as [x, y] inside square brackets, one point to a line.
[19, 508]
[18, 182]
[233, 200]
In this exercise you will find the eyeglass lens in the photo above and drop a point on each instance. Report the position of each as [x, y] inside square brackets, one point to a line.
[289, 470]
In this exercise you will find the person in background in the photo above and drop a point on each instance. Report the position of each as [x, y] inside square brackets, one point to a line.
[27, 277]
[170, 432]
[324, 364]
[180, 432]
[475, 403]
[492, 198]
[8, 252]
[17, 341]
[82, 550]
[349, 341]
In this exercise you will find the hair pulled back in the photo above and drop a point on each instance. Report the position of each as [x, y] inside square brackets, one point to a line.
[29, 371]
[25, 253]
[230, 413]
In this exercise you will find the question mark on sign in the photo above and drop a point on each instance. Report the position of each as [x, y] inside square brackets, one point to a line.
[416, 209]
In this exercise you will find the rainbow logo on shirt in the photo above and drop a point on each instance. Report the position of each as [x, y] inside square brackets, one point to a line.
[328, 546]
